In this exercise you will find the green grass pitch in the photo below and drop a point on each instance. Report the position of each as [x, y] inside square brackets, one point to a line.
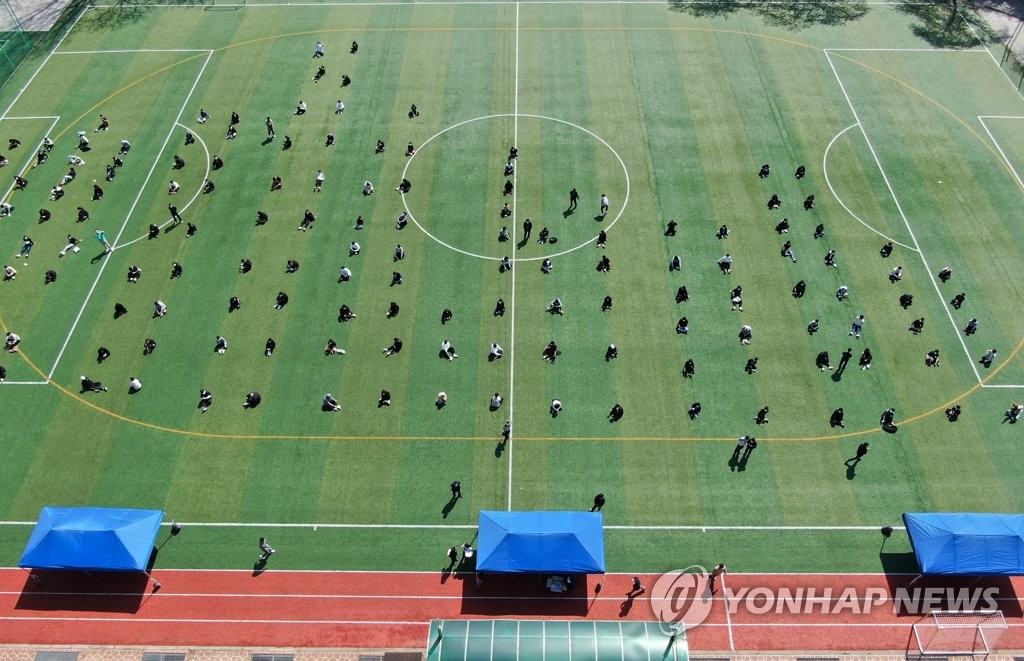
[668, 109]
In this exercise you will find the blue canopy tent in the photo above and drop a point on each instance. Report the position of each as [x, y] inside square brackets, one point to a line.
[92, 539]
[541, 542]
[967, 544]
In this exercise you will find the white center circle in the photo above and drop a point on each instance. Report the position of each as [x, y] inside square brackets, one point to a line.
[618, 213]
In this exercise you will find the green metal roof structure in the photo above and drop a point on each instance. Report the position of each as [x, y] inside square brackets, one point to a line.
[565, 640]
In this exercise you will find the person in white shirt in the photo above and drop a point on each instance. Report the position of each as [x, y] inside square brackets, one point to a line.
[496, 352]
[496, 401]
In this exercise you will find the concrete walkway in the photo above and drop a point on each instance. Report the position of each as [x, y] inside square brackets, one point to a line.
[35, 15]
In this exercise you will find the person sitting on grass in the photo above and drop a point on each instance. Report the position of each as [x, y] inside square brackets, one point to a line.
[332, 348]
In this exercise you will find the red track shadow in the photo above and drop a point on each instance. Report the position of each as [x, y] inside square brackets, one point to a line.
[949, 593]
[98, 592]
[521, 594]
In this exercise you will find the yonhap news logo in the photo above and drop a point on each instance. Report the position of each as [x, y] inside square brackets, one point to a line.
[683, 599]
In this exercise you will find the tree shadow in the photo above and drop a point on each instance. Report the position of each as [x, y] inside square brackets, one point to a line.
[800, 15]
[795, 15]
[943, 24]
[117, 16]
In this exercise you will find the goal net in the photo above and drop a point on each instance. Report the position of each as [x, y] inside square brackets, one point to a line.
[950, 633]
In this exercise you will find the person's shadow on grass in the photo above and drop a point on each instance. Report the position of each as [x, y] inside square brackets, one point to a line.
[522, 243]
[851, 467]
[259, 567]
[499, 449]
[266, 141]
[99, 257]
[448, 507]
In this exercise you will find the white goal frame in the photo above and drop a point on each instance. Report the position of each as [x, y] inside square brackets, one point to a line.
[959, 633]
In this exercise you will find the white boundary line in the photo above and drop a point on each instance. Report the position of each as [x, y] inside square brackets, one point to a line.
[440, 526]
[512, 317]
[442, 3]
[906, 221]
[828, 182]
[909, 50]
[31, 155]
[195, 196]
[248, 572]
[25, 383]
[728, 615]
[128, 216]
[42, 64]
[517, 115]
[132, 50]
[980, 41]
[995, 143]
[426, 622]
[176, 620]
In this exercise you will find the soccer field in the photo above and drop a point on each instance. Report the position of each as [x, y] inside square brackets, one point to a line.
[907, 136]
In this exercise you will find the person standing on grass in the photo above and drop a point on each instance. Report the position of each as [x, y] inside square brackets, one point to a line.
[453, 557]
[844, 358]
[862, 450]
[265, 550]
[456, 488]
[604, 204]
[271, 134]
[598, 503]
[741, 445]
[574, 199]
[101, 236]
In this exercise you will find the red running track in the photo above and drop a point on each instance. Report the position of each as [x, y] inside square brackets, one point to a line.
[392, 610]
